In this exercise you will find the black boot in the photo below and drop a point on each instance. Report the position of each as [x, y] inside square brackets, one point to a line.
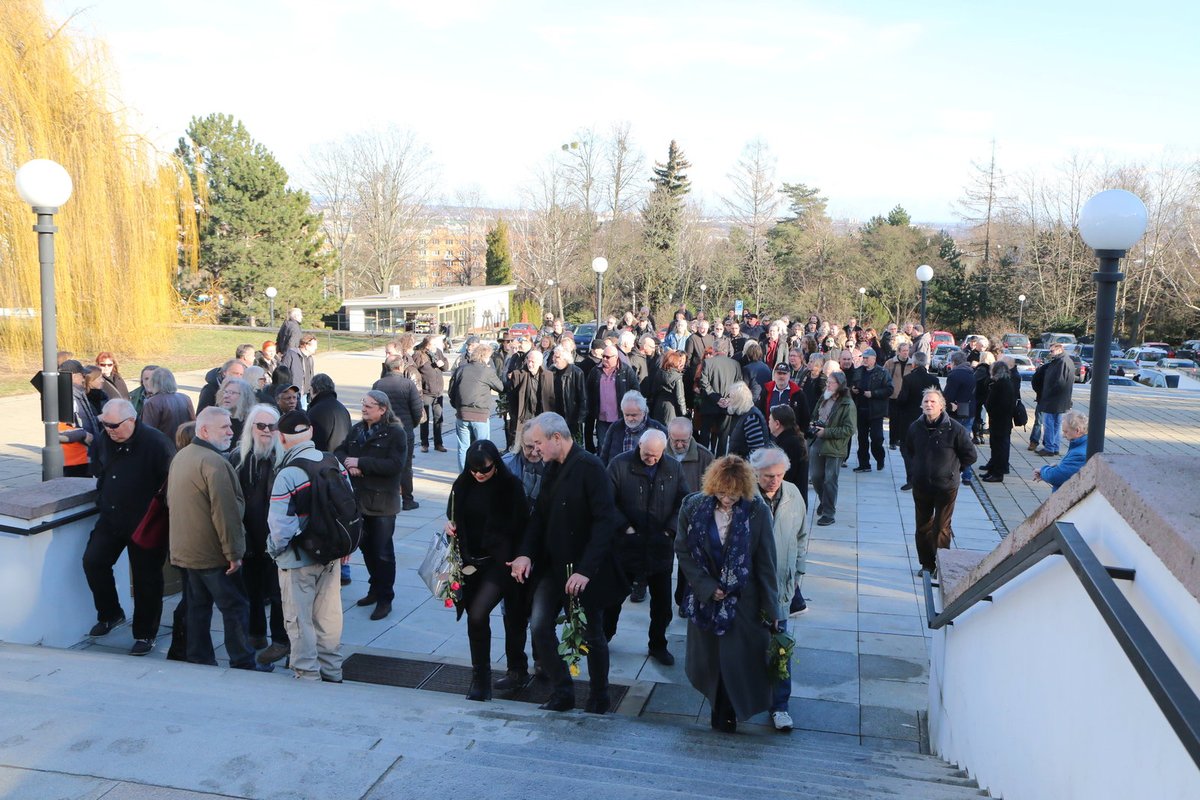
[513, 680]
[481, 684]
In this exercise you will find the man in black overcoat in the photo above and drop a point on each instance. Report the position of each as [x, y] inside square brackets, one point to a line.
[568, 548]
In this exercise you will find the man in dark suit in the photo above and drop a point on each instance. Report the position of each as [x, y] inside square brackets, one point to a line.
[694, 348]
[570, 537]
[406, 405]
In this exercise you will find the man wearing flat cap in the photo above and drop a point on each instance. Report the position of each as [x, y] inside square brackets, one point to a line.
[871, 390]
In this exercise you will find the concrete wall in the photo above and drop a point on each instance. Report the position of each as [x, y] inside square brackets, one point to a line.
[1033, 696]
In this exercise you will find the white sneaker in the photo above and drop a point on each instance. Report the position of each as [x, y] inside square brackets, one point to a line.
[782, 721]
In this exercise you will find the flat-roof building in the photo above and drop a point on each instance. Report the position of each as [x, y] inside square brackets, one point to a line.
[463, 308]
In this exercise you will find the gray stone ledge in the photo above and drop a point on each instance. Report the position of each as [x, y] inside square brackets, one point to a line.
[43, 499]
[1151, 493]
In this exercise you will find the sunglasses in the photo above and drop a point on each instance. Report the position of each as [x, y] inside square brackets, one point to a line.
[112, 426]
[109, 364]
[485, 471]
[266, 426]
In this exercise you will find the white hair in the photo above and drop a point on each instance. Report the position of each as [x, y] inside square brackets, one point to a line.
[550, 424]
[653, 436]
[741, 399]
[683, 423]
[634, 398]
[626, 339]
[119, 407]
[767, 457]
[247, 443]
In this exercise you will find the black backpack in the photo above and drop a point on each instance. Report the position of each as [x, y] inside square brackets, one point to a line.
[334, 527]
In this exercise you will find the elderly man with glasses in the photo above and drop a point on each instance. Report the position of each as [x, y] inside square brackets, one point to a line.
[605, 388]
[131, 464]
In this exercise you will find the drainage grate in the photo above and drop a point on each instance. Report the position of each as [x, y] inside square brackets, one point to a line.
[432, 676]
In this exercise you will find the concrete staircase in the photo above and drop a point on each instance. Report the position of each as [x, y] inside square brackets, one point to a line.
[91, 725]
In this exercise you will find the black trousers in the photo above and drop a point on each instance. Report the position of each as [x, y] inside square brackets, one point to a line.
[433, 416]
[659, 587]
[589, 435]
[260, 577]
[482, 592]
[1000, 439]
[934, 512]
[406, 477]
[870, 438]
[895, 430]
[146, 570]
[379, 554]
[549, 598]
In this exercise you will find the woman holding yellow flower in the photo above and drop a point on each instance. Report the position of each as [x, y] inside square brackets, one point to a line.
[726, 550]
[487, 513]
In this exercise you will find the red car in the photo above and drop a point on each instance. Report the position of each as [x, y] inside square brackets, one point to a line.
[940, 337]
[527, 329]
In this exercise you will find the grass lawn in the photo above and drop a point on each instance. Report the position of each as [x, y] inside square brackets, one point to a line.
[197, 348]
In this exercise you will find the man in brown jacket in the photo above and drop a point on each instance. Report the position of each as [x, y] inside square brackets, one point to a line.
[208, 540]
[897, 366]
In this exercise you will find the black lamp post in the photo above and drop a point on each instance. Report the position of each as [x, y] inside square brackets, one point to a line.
[1110, 223]
[45, 186]
[924, 275]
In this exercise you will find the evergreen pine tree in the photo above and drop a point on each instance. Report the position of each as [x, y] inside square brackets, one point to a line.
[499, 255]
[671, 175]
[254, 231]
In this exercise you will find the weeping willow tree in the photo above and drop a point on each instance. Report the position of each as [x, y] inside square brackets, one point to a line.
[122, 237]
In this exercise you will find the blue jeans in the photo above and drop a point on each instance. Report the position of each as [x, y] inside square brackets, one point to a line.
[782, 689]
[468, 432]
[208, 586]
[1051, 431]
[968, 423]
[1035, 436]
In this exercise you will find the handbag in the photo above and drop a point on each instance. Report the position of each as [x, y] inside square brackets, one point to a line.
[153, 532]
[435, 568]
[1020, 415]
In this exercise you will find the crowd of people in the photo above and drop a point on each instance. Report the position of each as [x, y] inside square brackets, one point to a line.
[619, 469]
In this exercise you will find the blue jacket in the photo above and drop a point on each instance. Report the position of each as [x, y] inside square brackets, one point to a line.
[960, 388]
[1072, 462]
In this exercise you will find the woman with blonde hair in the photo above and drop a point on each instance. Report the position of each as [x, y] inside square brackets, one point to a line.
[726, 550]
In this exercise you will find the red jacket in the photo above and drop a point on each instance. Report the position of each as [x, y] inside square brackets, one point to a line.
[769, 389]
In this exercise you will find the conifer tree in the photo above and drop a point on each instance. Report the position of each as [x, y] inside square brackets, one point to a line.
[499, 255]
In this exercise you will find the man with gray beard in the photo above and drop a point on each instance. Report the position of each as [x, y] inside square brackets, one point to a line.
[254, 459]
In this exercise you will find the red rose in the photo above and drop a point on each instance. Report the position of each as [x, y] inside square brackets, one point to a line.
[456, 586]
[449, 603]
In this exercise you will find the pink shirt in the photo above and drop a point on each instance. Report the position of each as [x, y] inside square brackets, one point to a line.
[608, 397]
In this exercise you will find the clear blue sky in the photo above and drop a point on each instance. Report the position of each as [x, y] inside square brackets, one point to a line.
[877, 103]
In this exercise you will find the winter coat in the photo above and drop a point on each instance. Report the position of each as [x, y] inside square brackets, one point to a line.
[330, 420]
[908, 402]
[747, 432]
[718, 374]
[796, 448]
[404, 397]
[898, 370]
[646, 368]
[167, 412]
[114, 387]
[812, 388]
[937, 453]
[572, 525]
[839, 429]
[529, 394]
[1054, 393]
[666, 396]
[210, 389]
[625, 379]
[960, 389]
[738, 658]
[206, 507]
[570, 397]
[795, 399]
[300, 367]
[614, 440]
[1072, 462]
[789, 523]
[288, 338]
[256, 477]
[432, 381]
[127, 475]
[694, 348]
[382, 451]
[694, 462]
[650, 506]
[1000, 404]
[491, 517]
[878, 382]
[471, 390]
[756, 375]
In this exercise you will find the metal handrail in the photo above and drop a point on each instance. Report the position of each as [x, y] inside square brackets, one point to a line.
[1175, 698]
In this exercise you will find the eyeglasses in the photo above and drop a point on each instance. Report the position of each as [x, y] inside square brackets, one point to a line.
[485, 471]
[266, 426]
[112, 426]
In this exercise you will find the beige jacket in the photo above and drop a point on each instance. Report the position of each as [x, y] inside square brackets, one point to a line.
[206, 505]
[898, 369]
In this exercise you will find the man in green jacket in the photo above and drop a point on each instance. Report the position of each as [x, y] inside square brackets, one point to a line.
[208, 540]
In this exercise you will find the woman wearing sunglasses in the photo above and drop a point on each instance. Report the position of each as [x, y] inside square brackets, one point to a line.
[374, 454]
[487, 512]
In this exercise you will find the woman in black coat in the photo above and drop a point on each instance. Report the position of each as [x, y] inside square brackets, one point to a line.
[812, 382]
[666, 394]
[432, 385]
[788, 436]
[487, 512]
[983, 380]
[374, 454]
[1001, 402]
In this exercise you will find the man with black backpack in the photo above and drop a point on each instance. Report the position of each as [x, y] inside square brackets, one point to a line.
[312, 526]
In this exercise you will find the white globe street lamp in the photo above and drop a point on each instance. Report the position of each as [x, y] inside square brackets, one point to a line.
[45, 186]
[1110, 223]
[924, 275]
[599, 266]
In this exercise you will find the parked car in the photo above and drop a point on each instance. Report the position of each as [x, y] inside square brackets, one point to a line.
[583, 336]
[1124, 367]
[1119, 380]
[1038, 356]
[1176, 363]
[1048, 339]
[937, 338]
[1146, 356]
[527, 329]
[1189, 349]
[937, 364]
[966, 342]
[1015, 342]
[1024, 366]
[1170, 351]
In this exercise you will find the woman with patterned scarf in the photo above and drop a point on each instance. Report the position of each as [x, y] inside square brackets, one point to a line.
[727, 552]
